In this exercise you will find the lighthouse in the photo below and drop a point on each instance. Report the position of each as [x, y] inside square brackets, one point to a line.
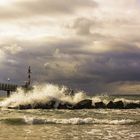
[27, 85]
[29, 76]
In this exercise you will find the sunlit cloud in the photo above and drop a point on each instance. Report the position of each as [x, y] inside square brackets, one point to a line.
[5, 2]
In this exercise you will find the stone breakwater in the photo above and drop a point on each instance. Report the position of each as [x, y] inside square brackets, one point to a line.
[84, 104]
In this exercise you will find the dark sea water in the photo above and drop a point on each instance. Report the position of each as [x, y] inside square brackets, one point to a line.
[54, 124]
[107, 124]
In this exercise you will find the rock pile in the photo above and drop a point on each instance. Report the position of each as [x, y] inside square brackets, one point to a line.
[84, 104]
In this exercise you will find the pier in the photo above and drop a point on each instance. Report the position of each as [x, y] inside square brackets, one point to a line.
[13, 87]
[8, 88]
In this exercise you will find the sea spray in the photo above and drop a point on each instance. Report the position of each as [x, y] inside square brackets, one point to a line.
[100, 98]
[49, 96]
[43, 94]
[126, 101]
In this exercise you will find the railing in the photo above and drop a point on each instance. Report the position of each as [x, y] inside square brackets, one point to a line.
[8, 87]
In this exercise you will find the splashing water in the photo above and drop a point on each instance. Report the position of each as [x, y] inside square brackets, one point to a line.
[43, 94]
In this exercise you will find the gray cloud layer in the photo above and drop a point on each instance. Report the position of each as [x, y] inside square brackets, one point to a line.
[64, 62]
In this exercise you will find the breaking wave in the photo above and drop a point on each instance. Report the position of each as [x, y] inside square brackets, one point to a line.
[42, 94]
[71, 121]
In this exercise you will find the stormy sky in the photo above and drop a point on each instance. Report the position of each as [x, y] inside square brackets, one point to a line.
[92, 45]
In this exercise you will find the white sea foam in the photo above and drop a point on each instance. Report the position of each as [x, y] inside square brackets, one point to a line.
[102, 98]
[77, 121]
[47, 92]
[126, 101]
[42, 94]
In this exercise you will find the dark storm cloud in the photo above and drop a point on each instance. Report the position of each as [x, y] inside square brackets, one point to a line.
[63, 61]
[118, 68]
[25, 9]
[121, 64]
[38, 55]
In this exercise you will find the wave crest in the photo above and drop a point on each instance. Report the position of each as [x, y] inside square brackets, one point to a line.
[49, 96]
[43, 94]
[71, 121]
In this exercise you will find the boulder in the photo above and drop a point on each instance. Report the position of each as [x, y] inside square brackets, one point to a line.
[132, 105]
[22, 107]
[118, 105]
[65, 106]
[110, 105]
[100, 105]
[84, 104]
[12, 107]
[49, 105]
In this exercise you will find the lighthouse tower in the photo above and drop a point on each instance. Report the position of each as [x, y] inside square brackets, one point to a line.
[27, 85]
[29, 76]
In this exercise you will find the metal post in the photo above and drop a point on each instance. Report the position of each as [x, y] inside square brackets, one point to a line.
[8, 93]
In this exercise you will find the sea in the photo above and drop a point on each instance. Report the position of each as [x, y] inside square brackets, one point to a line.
[56, 124]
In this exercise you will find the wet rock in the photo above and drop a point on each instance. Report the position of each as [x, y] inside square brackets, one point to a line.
[100, 105]
[119, 105]
[49, 105]
[12, 107]
[132, 105]
[65, 106]
[22, 107]
[84, 104]
[110, 105]
[115, 105]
